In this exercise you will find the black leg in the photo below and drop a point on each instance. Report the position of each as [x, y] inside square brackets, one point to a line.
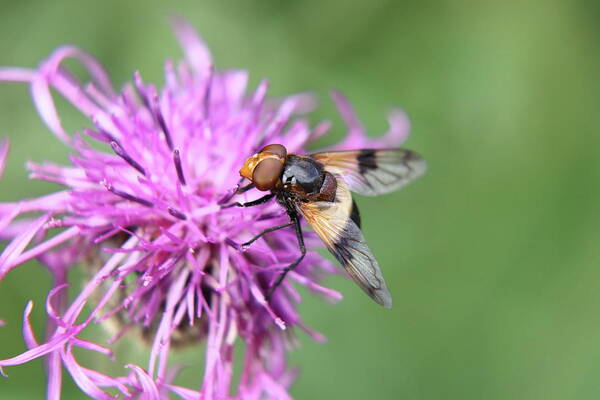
[274, 228]
[230, 193]
[296, 223]
[253, 203]
[238, 190]
[244, 189]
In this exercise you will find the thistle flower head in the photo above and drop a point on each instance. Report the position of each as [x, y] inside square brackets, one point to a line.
[140, 212]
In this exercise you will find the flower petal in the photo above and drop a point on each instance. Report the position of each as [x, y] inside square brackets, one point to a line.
[274, 388]
[56, 342]
[92, 66]
[16, 247]
[28, 334]
[355, 128]
[4, 147]
[103, 380]
[86, 344]
[184, 393]
[399, 128]
[81, 378]
[54, 365]
[196, 51]
[149, 388]
[42, 98]
[16, 74]
[46, 246]
[11, 213]
[50, 309]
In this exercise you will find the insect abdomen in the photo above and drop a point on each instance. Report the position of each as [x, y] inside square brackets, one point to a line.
[354, 214]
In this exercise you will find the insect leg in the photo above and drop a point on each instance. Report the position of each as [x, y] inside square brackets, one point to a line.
[238, 190]
[296, 222]
[244, 189]
[252, 203]
[274, 228]
[230, 193]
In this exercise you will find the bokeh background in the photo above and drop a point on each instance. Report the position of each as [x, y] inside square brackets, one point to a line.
[493, 257]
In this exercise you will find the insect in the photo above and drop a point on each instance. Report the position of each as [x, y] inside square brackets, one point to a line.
[317, 187]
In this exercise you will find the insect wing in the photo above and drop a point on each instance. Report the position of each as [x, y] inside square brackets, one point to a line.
[373, 172]
[332, 222]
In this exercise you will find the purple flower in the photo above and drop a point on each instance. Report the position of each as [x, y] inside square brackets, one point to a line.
[140, 213]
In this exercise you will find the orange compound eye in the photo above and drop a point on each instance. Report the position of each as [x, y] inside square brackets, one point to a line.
[276, 149]
[267, 173]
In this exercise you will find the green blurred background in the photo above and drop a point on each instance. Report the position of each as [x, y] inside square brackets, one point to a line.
[492, 258]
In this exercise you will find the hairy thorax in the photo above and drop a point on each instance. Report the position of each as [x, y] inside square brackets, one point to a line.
[306, 180]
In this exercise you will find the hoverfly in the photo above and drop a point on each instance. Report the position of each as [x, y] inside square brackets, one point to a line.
[317, 187]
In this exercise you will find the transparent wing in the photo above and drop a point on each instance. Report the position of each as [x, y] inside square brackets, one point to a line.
[373, 172]
[332, 222]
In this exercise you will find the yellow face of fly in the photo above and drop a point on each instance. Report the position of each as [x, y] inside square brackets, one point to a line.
[264, 168]
[250, 165]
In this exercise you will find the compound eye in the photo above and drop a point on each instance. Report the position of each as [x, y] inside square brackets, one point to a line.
[267, 173]
[277, 149]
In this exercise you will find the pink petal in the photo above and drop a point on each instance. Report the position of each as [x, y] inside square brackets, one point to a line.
[52, 202]
[13, 212]
[38, 351]
[149, 388]
[4, 146]
[355, 128]
[399, 128]
[28, 334]
[75, 308]
[49, 74]
[260, 93]
[196, 51]
[320, 130]
[275, 389]
[104, 380]
[93, 66]
[234, 82]
[52, 313]
[42, 98]
[46, 246]
[15, 74]
[16, 247]
[81, 378]
[54, 376]
[86, 344]
[184, 393]
[333, 294]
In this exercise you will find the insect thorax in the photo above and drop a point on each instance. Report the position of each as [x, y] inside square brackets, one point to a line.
[302, 174]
